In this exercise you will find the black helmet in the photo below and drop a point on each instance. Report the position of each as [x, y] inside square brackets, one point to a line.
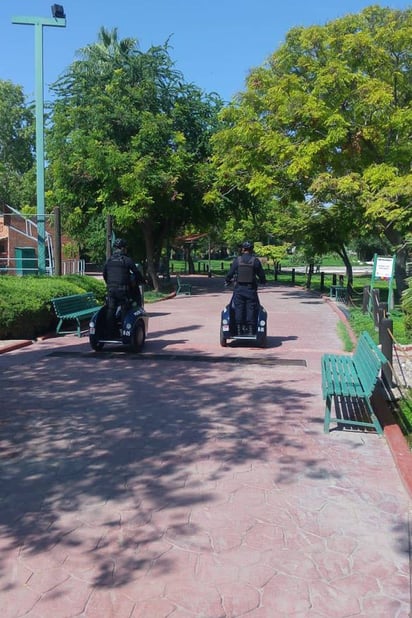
[119, 243]
[247, 245]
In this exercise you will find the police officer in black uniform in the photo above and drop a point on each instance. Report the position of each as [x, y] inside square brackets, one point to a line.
[246, 269]
[122, 279]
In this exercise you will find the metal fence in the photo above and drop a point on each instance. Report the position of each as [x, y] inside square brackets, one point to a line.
[28, 265]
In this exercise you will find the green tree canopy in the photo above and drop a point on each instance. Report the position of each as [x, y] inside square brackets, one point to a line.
[17, 162]
[326, 123]
[131, 139]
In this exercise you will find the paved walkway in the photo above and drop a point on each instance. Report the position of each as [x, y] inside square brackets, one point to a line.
[194, 481]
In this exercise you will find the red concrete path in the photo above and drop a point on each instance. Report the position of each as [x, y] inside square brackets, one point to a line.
[178, 483]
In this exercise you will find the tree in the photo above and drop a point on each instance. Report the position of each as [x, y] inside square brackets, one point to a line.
[131, 139]
[17, 162]
[325, 123]
[276, 253]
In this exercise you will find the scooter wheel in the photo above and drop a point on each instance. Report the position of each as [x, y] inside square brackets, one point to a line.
[138, 337]
[96, 345]
[262, 341]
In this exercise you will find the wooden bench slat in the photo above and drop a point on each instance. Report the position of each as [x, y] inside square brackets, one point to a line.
[340, 376]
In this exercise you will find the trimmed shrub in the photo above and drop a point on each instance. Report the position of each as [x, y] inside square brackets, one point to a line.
[26, 310]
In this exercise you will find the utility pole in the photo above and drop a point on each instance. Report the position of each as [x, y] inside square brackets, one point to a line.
[59, 20]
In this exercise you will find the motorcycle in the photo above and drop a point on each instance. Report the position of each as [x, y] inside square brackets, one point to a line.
[229, 329]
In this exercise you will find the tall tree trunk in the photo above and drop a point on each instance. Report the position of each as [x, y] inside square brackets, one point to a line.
[401, 259]
[349, 270]
[401, 274]
[190, 262]
[309, 276]
[150, 254]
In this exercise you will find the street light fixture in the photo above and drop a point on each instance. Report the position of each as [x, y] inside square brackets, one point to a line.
[58, 11]
[58, 19]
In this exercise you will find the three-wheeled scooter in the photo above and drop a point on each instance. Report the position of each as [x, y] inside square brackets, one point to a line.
[131, 328]
[229, 330]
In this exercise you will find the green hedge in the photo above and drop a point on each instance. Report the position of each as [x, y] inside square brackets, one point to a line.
[26, 310]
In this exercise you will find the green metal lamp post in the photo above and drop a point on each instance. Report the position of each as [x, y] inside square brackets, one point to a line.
[58, 19]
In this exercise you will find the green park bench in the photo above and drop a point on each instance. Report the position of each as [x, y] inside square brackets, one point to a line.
[339, 293]
[352, 376]
[182, 288]
[74, 308]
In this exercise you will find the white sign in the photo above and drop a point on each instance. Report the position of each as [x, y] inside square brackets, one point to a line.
[384, 268]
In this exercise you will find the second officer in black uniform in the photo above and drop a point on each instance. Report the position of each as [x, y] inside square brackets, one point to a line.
[247, 270]
[122, 279]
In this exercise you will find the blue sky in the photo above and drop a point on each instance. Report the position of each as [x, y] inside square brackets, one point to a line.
[214, 43]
